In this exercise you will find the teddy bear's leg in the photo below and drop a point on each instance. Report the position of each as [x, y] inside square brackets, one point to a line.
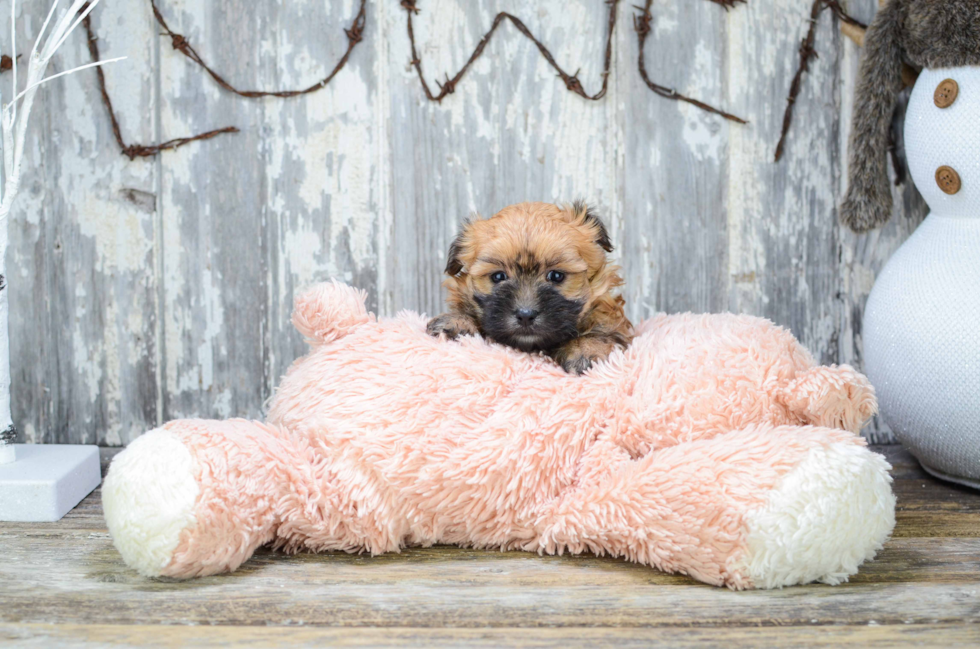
[149, 498]
[762, 507]
[198, 497]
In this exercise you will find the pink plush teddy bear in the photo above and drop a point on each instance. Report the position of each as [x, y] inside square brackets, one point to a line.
[712, 447]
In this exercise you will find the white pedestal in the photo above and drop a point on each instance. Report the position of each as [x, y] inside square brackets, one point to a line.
[46, 481]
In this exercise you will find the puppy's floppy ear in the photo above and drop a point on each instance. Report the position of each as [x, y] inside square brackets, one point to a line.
[454, 263]
[588, 216]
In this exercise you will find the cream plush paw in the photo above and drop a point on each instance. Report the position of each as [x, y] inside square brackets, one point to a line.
[148, 498]
[826, 516]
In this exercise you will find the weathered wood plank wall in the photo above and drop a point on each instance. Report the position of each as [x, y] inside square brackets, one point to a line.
[159, 288]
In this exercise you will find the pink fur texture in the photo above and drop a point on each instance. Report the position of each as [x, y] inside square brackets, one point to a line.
[383, 437]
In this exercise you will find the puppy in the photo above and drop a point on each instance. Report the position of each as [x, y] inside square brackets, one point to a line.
[535, 277]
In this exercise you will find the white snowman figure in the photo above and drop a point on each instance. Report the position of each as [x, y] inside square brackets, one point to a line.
[921, 330]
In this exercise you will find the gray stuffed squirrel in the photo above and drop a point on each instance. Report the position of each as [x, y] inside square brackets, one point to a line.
[923, 34]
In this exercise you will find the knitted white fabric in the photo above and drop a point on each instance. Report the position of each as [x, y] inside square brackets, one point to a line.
[922, 323]
[946, 136]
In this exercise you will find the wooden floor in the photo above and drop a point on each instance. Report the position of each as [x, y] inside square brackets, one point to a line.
[64, 584]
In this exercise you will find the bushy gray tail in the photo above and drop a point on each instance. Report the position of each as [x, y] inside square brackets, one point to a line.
[868, 202]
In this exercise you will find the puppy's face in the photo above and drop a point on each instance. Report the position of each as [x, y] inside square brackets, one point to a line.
[531, 274]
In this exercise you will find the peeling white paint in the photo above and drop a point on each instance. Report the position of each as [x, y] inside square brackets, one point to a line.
[703, 133]
[301, 250]
[665, 19]
[88, 365]
[118, 232]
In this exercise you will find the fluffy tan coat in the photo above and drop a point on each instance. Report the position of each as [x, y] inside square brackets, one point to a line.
[528, 243]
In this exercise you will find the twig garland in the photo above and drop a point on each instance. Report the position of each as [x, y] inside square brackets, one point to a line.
[133, 151]
[182, 45]
[808, 53]
[572, 82]
[355, 34]
[641, 23]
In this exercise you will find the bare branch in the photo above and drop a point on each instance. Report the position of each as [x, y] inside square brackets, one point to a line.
[133, 151]
[355, 34]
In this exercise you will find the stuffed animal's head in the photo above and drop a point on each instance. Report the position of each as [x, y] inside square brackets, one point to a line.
[924, 34]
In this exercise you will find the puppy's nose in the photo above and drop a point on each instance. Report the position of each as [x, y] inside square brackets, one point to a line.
[525, 317]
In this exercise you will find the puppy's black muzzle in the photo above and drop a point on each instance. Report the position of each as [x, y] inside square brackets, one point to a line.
[550, 321]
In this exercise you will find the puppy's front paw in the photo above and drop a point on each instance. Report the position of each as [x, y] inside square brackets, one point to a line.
[452, 325]
[577, 364]
[578, 356]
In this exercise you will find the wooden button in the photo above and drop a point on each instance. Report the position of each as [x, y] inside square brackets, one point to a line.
[946, 93]
[948, 180]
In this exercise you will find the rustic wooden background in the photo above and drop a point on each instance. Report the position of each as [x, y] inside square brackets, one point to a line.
[158, 288]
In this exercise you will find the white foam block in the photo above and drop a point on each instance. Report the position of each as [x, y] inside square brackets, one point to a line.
[46, 481]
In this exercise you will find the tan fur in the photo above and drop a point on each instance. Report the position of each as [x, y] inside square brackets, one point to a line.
[536, 238]
[579, 355]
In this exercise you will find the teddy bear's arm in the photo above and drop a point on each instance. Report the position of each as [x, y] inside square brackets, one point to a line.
[726, 510]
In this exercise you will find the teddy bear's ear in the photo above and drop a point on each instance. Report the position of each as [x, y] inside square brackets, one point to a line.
[868, 202]
[328, 311]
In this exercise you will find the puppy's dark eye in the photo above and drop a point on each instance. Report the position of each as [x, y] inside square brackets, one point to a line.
[498, 277]
[556, 276]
